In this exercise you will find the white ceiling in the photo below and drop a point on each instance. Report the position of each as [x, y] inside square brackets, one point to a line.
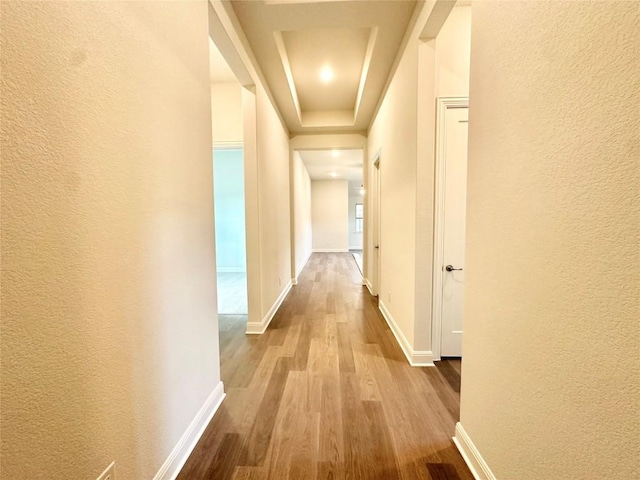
[309, 51]
[219, 70]
[294, 40]
[345, 164]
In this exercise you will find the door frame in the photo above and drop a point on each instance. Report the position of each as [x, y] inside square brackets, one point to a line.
[443, 104]
[374, 286]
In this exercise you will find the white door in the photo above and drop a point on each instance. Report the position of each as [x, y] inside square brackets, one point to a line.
[376, 226]
[454, 162]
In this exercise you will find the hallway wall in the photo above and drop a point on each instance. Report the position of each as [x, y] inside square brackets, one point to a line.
[404, 131]
[394, 133]
[272, 146]
[109, 329]
[552, 348]
[329, 215]
[452, 53]
[301, 213]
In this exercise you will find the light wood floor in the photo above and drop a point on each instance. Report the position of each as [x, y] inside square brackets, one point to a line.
[326, 393]
[357, 256]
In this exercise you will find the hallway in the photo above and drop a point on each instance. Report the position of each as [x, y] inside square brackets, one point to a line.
[327, 393]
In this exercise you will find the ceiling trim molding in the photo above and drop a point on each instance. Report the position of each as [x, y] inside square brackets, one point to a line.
[224, 43]
[320, 141]
[233, 39]
[437, 17]
[420, 15]
[373, 36]
[228, 145]
[327, 118]
[292, 45]
[284, 58]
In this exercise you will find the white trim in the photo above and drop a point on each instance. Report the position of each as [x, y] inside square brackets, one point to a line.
[231, 270]
[444, 103]
[288, 73]
[180, 453]
[479, 468]
[254, 328]
[375, 160]
[367, 283]
[228, 145]
[359, 265]
[304, 264]
[376, 234]
[416, 358]
[110, 470]
[330, 250]
[359, 248]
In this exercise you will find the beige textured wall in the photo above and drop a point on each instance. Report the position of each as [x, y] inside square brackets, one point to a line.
[267, 203]
[252, 206]
[272, 146]
[552, 349]
[404, 131]
[302, 213]
[394, 133]
[330, 215]
[453, 47]
[226, 113]
[109, 328]
[425, 177]
[443, 70]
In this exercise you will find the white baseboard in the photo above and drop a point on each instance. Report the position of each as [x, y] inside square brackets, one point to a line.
[255, 328]
[180, 453]
[356, 248]
[304, 264]
[367, 283]
[231, 269]
[416, 358]
[330, 250]
[479, 468]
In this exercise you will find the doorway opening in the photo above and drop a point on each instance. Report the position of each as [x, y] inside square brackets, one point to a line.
[356, 223]
[337, 195]
[231, 254]
[229, 191]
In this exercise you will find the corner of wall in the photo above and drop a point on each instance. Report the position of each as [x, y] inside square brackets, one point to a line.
[180, 453]
[416, 358]
[471, 455]
[258, 328]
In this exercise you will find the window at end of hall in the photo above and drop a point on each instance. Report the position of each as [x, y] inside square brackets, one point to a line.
[359, 217]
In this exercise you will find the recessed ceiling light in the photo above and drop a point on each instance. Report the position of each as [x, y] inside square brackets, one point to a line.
[334, 153]
[333, 174]
[326, 74]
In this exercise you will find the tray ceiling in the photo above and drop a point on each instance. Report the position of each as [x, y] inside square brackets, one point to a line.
[325, 62]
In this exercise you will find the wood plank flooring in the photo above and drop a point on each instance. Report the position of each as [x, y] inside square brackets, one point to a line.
[326, 393]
